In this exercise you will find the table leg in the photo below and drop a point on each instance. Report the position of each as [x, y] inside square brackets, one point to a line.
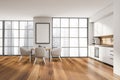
[49, 56]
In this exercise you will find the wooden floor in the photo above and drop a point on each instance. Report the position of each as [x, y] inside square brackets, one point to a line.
[68, 69]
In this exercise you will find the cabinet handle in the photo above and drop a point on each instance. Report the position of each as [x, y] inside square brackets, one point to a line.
[111, 54]
[111, 50]
[111, 58]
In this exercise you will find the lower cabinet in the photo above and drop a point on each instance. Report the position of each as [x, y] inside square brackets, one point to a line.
[109, 56]
[102, 54]
[105, 54]
[91, 51]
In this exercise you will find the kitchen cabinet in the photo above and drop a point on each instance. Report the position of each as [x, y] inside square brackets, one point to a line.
[91, 51]
[107, 30]
[95, 29]
[105, 54]
[109, 56]
[98, 29]
[102, 54]
[104, 26]
[107, 25]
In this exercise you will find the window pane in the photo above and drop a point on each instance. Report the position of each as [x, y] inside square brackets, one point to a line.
[15, 51]
[7, 25]
[73, 22]
[23, 42]
[56, 22]
[64, 32]
[23, 33]
[64, 23]
[30, 33]
[30, 42]
[15, 42]
[83, 52]
[30, 25]
[83, 42]
[1, 25]
[15, 25]
[73, 42]
[8, 33]
[1, 42]
[1, 33]
[64, 42]
[56, 32]
[82, 22]
[23, 25]
[73, 32]
[15, 33]
[1, 51]
[65, 52]
[8, 42]
[83, 32]
[74, 52]
[56, 42]
[8, 51]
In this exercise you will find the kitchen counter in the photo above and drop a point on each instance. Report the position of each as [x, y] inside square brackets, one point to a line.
[106, 45]
[102, 45]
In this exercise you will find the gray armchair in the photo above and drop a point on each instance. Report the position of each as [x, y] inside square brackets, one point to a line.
[56, 53]
[25, 52]
[40, 53]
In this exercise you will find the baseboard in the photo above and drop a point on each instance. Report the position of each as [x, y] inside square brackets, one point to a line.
[74, 57]
[101, 62]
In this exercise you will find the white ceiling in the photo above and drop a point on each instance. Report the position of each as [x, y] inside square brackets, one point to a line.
[27, 9]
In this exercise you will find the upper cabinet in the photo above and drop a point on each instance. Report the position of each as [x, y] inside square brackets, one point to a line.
[104, 26]
[108, 26]
[98, 29]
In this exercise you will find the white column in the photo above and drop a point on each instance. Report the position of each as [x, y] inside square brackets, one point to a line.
[116, 28]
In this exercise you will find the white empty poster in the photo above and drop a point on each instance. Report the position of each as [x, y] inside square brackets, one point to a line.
[42, 33]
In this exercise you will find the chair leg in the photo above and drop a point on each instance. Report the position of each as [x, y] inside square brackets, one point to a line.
[44, 60]
[20, 58]
[30, 58]
[60, 58]
[35, 61]
[51, 58]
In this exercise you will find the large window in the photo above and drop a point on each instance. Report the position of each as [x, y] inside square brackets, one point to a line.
[16, 34]
[1, 37]
[71, 35]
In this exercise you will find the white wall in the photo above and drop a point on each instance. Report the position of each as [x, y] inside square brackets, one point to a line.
[43, 20]
[102, 13]
[91, 33]
[117, 37]
[104, 16]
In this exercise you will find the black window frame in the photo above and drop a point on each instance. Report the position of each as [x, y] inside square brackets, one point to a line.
[12, 38]
[69, 33]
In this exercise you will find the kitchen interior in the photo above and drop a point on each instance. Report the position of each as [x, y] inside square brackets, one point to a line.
[101, 37]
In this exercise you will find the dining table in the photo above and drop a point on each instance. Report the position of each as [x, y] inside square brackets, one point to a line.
[48, 49]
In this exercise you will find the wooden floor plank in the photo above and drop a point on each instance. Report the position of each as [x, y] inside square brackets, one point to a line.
[67, 69]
